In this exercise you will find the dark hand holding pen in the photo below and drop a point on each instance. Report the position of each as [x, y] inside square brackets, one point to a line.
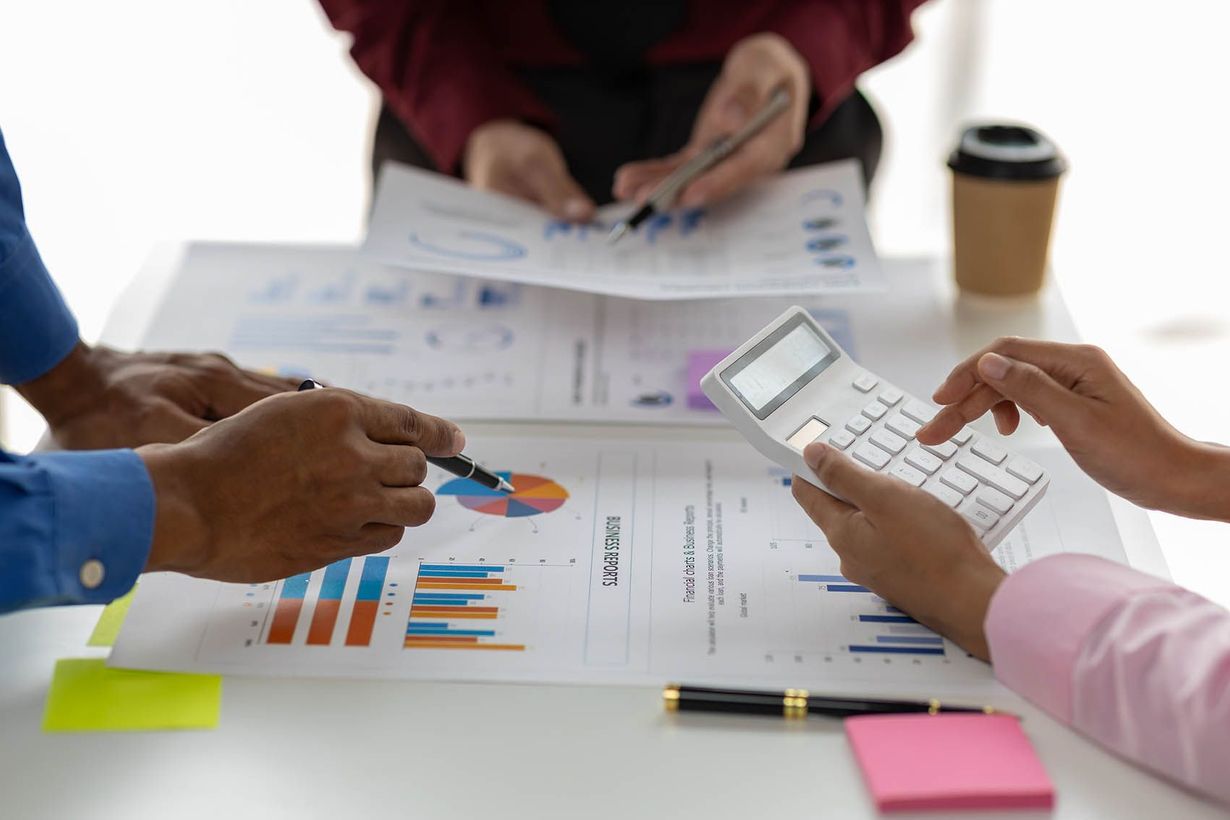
[459, 465]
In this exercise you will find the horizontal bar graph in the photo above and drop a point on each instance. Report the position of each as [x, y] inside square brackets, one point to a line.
[442, 616]
[885, 629]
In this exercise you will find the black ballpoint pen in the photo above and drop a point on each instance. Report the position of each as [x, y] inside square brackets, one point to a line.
[459, 465]
[796, 703]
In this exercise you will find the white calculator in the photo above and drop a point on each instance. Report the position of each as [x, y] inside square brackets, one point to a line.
[791, 384]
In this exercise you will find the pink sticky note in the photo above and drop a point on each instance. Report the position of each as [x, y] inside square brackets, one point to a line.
[949, 761]
[701, 362]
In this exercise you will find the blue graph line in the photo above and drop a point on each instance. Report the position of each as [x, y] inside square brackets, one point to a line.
[487, 247]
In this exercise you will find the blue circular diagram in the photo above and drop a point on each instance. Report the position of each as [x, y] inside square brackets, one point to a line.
[473, 246]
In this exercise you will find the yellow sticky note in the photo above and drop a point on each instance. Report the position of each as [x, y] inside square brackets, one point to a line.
[109, 622]
[86, 696]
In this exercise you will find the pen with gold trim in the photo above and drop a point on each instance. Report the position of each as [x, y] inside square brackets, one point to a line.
[796, 703]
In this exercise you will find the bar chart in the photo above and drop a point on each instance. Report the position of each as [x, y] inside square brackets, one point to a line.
[877, 627]
[458, 607]
[343, 599]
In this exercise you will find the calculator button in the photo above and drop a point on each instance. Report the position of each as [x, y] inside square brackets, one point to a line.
[841, 439]
[991, 452]
[891, 395]
[994, 476]
[962, 435]
[866, 383]
[1025, 470]
[960, 482]
[908, 474]
[871, 456]
[944, 494]
[858, 425]
[888, 442]
[993, 499]
[982, 518]
[902, 426]
[944, 450]
[923, 461]
[875, 411]
[921, 413]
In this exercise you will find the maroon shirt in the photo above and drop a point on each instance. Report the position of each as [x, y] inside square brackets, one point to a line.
[447, 66]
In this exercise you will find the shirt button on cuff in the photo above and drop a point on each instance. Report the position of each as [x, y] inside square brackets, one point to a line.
[92, 574]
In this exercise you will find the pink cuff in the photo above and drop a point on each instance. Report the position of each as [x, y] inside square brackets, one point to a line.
[1041, 615]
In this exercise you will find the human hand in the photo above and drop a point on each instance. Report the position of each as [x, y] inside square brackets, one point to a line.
[99, 398]
[294, 482]
[754, 68]
[523, 161]
[1108, 427]
[903, 544]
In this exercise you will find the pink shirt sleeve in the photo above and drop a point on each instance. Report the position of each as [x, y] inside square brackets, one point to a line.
[1136, 663]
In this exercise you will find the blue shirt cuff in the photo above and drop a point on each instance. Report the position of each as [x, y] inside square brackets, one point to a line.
[104, 522]
[36, 328]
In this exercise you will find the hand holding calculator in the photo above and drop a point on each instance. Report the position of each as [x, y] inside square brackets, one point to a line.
[791, 384]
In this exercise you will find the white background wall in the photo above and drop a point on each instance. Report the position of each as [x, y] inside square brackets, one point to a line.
[135, 121]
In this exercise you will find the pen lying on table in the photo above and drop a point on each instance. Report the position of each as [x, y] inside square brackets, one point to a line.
[796, 703]
[459, 465]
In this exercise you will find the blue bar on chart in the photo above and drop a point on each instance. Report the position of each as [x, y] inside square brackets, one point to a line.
[919, 640]
[823, 579]
[367, 601]
[887, 619]
[290, 604]
[898, 650]
[328, 603]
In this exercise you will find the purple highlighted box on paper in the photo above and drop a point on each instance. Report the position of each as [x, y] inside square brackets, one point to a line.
[700, 362]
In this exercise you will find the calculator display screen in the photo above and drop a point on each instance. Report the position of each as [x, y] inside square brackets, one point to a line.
[770, 373]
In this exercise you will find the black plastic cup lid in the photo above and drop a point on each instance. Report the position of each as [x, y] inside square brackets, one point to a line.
[1011, 152]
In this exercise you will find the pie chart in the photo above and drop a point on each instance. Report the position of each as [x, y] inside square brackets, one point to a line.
[535, 495]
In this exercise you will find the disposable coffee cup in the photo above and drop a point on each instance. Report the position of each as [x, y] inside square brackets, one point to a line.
[1005, 181]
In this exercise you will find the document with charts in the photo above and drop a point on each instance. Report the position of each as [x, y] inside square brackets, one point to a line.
[481, 349]
[631, 560]
[802, 231]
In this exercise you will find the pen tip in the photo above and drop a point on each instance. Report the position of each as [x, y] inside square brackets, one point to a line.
[617, 233]
[506, 487]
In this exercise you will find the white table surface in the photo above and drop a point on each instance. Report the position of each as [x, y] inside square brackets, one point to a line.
[341, 748]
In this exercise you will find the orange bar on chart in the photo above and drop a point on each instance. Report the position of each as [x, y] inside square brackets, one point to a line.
[282, 630]
[480, 581]
[445, 608]
[411, 643]
[435, 616]
[323, 621]
[362, 620]
[442, 638]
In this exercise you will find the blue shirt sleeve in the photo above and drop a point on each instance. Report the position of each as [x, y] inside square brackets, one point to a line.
[36, 328]
[75, 528]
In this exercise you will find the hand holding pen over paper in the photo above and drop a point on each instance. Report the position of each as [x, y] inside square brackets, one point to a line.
[755, 70]
[292, 483]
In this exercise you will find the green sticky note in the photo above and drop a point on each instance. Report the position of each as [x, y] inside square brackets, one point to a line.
[86, 696]
[109, 622]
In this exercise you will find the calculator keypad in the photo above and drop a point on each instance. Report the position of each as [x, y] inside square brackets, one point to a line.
[973, 475]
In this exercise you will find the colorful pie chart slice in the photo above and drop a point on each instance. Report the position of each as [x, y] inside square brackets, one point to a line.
[535, 495]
